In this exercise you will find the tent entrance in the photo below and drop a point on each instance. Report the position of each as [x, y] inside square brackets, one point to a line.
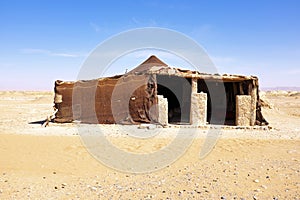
[231, 92]
[178, 92]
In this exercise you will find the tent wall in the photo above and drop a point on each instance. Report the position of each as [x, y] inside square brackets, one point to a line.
[133, 99]
[63, 101]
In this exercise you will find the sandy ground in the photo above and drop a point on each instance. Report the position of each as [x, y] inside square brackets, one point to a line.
[53, 163]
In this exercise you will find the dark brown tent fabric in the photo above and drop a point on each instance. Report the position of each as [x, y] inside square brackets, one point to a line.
[125, 100]
[134, 99]
[63, 101]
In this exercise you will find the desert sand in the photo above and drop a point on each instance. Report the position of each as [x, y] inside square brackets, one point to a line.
[53, 163]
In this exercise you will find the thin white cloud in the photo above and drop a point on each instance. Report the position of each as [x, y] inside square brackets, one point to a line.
[51, 53]
[95, 27]
[64, 55]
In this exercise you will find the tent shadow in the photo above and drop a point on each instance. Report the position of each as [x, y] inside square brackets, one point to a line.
[41, 122]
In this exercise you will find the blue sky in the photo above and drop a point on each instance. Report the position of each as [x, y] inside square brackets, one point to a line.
[42, 41]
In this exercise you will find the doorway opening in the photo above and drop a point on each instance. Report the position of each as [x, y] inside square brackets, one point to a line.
[228, 116]
[178, 92]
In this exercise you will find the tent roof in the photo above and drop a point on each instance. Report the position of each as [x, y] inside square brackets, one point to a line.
[148, 64]
[154, 65]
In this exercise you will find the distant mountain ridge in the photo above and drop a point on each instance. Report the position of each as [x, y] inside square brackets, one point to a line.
[280, 88]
